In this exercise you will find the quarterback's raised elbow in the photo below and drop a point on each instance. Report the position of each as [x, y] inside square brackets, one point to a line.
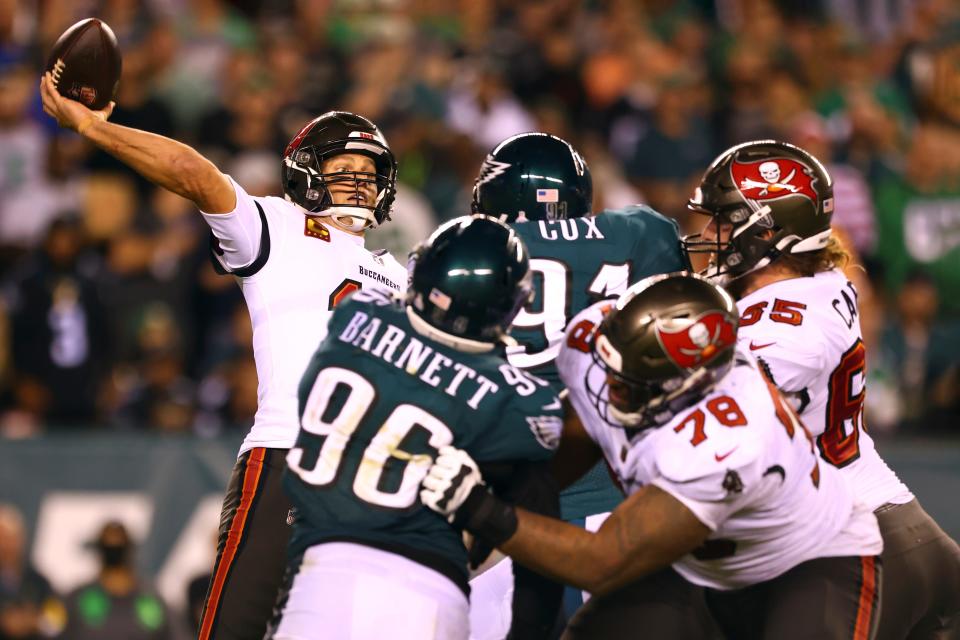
[207, 187]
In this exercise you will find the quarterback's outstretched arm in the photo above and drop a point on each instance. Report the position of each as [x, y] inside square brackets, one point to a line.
[163, 161]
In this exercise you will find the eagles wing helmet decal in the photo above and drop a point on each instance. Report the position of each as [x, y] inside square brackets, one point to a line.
[491, 169]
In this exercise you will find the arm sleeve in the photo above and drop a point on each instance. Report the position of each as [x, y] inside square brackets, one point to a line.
[238, 234]
[710, 512]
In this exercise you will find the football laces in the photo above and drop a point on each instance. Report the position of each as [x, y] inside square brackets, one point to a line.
[57, 71]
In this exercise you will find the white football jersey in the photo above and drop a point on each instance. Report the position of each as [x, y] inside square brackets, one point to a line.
[293, 269]
[743, 464]
[806, 334]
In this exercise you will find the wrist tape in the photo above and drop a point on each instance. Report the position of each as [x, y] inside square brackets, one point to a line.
[486, 516]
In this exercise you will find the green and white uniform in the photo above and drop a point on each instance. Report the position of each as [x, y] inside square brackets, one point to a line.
[376, 403]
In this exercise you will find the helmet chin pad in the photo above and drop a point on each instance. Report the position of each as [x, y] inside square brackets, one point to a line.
[350, 218]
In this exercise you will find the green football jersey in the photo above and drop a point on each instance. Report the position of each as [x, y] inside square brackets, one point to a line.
[575, 263]
[376, 403]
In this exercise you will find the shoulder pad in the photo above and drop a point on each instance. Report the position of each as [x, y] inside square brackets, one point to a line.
[643, 212]
[580, 329]
[789, 357]
[543, 413]
[702, 469]
[593, 315]
[528, 387]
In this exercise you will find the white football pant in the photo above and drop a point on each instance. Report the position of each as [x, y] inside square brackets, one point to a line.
[346, 591]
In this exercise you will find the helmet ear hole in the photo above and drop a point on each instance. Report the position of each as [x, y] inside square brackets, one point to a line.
[738, 215]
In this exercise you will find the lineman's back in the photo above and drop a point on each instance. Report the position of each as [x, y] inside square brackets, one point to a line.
[806, 333]
[576, 262]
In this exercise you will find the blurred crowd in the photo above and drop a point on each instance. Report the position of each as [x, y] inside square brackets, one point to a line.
[116, 602]
[111, 315]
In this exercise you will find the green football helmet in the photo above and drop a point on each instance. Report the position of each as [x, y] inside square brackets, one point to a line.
[663, 346]
[533, 176]
[467, 282]
[757, 188]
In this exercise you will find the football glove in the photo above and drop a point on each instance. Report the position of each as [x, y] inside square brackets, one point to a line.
[453, 487]
[449, 482]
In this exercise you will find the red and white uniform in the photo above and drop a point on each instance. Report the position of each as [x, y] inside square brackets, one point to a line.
[806, 334]
[742, 463]
[290, 291]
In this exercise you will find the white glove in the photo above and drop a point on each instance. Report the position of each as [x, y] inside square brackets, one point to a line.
[449, 481]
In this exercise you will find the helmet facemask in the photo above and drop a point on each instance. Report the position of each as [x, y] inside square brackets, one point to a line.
[744, 240]
[643, 404]
[367, 193]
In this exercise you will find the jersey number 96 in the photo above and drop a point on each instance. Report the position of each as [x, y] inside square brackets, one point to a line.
[337, 430]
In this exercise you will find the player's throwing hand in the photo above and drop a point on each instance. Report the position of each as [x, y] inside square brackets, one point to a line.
[68, 113]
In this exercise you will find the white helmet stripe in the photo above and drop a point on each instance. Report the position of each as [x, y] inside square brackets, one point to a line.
[752, 220]
[814, 242]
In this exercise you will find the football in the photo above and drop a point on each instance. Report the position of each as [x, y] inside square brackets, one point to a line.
[85, 63]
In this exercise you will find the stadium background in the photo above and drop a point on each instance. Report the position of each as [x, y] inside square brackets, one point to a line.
[126, 374]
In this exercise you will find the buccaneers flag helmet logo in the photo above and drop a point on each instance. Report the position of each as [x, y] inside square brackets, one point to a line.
[774, 178]
[696, 343]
